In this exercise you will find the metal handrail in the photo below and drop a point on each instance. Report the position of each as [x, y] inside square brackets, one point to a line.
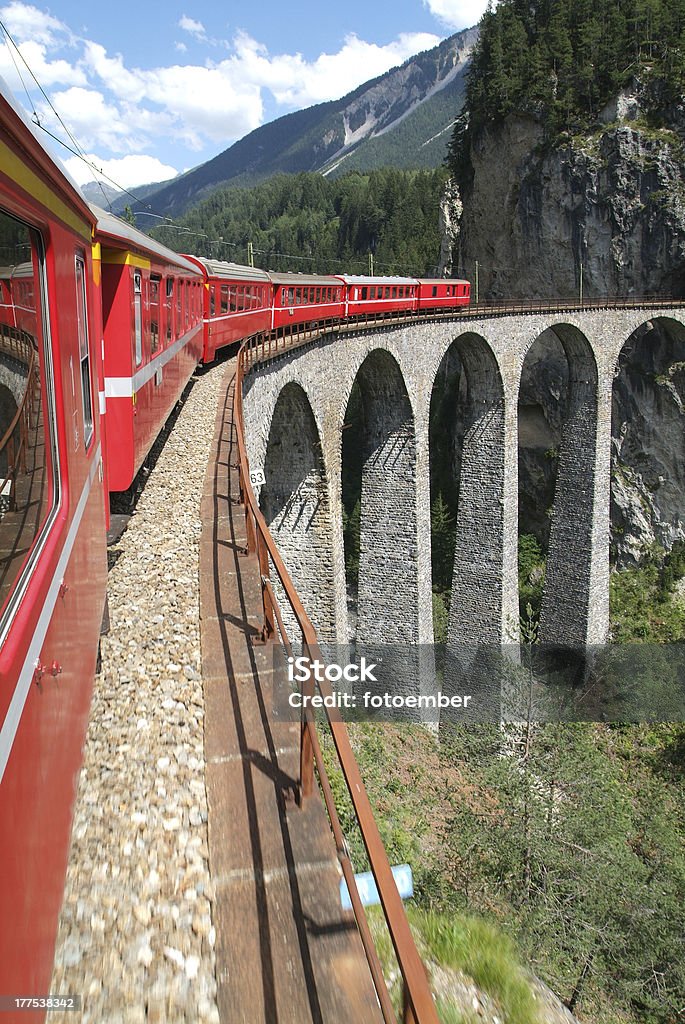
[420, 1008]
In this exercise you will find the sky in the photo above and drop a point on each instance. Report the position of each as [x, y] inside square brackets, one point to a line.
[151, 89]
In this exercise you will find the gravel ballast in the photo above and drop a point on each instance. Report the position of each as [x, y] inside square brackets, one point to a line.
[136, 938]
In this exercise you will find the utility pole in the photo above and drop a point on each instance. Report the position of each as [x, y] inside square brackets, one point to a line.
[250, 255]
[370, 264]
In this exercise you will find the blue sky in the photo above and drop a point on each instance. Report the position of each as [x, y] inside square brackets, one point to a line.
[150, 90]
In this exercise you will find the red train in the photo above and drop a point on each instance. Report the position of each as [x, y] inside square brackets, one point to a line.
[152, 303]
[53, 566]
[100, 330]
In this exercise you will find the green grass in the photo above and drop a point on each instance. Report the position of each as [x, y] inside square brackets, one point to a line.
[485, 954]
[468, 945]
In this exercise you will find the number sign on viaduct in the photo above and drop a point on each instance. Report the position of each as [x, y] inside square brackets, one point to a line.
[295, 407]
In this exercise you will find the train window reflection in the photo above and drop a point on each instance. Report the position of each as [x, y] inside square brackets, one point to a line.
[84, 351]
[28, 452]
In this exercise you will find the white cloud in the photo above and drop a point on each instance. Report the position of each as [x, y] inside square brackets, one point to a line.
[457, 14]
[298, 83]
[36, 34]
[121, 110]
[192, 102]
[195, 28]
[127, 172]
[93, 120]
[26, 22]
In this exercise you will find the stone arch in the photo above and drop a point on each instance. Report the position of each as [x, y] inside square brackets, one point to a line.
[574, 608]
[295, 501]
[483, 588]
[648, 440]
[392, 602]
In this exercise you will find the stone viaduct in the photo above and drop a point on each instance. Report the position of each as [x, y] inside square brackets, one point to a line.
[295, 406]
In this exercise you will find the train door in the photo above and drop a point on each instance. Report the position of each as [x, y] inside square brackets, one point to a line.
[138, 317]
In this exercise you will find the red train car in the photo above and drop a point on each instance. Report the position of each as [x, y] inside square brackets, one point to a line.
[442, 293]
[52, 542]
[372, 295]
[306, 298]
[152, 314]
[237, 303]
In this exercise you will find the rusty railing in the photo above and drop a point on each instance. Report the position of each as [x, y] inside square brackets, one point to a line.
[419, 1007]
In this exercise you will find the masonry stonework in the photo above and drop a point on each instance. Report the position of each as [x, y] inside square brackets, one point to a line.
[296, 506]
[398, 366]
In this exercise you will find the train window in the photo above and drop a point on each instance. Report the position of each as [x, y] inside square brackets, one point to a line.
[365, 292]
[435, 290]
[212, 301]
[29, 479]
[179, 308]
[224, 298]
[155, 281]
[84, 352]
[169, 307]
[138, 316]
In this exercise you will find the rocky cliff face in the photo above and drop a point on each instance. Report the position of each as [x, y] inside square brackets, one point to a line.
[648, 440]
[612, 201]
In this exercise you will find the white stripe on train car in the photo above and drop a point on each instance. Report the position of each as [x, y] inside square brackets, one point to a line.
[234, 316]
[16, 708]
[126, 387]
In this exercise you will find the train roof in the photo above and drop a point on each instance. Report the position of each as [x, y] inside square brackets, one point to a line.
[360, 279]
[228, 271]
[32, 142]
[442, 280]
[304, 279]
[119, 230]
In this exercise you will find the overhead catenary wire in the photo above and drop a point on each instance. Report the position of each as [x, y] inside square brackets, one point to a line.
[13, 48]
[77, 150]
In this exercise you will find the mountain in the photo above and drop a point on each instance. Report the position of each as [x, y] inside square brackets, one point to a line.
[402, 119]
[101, 193]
